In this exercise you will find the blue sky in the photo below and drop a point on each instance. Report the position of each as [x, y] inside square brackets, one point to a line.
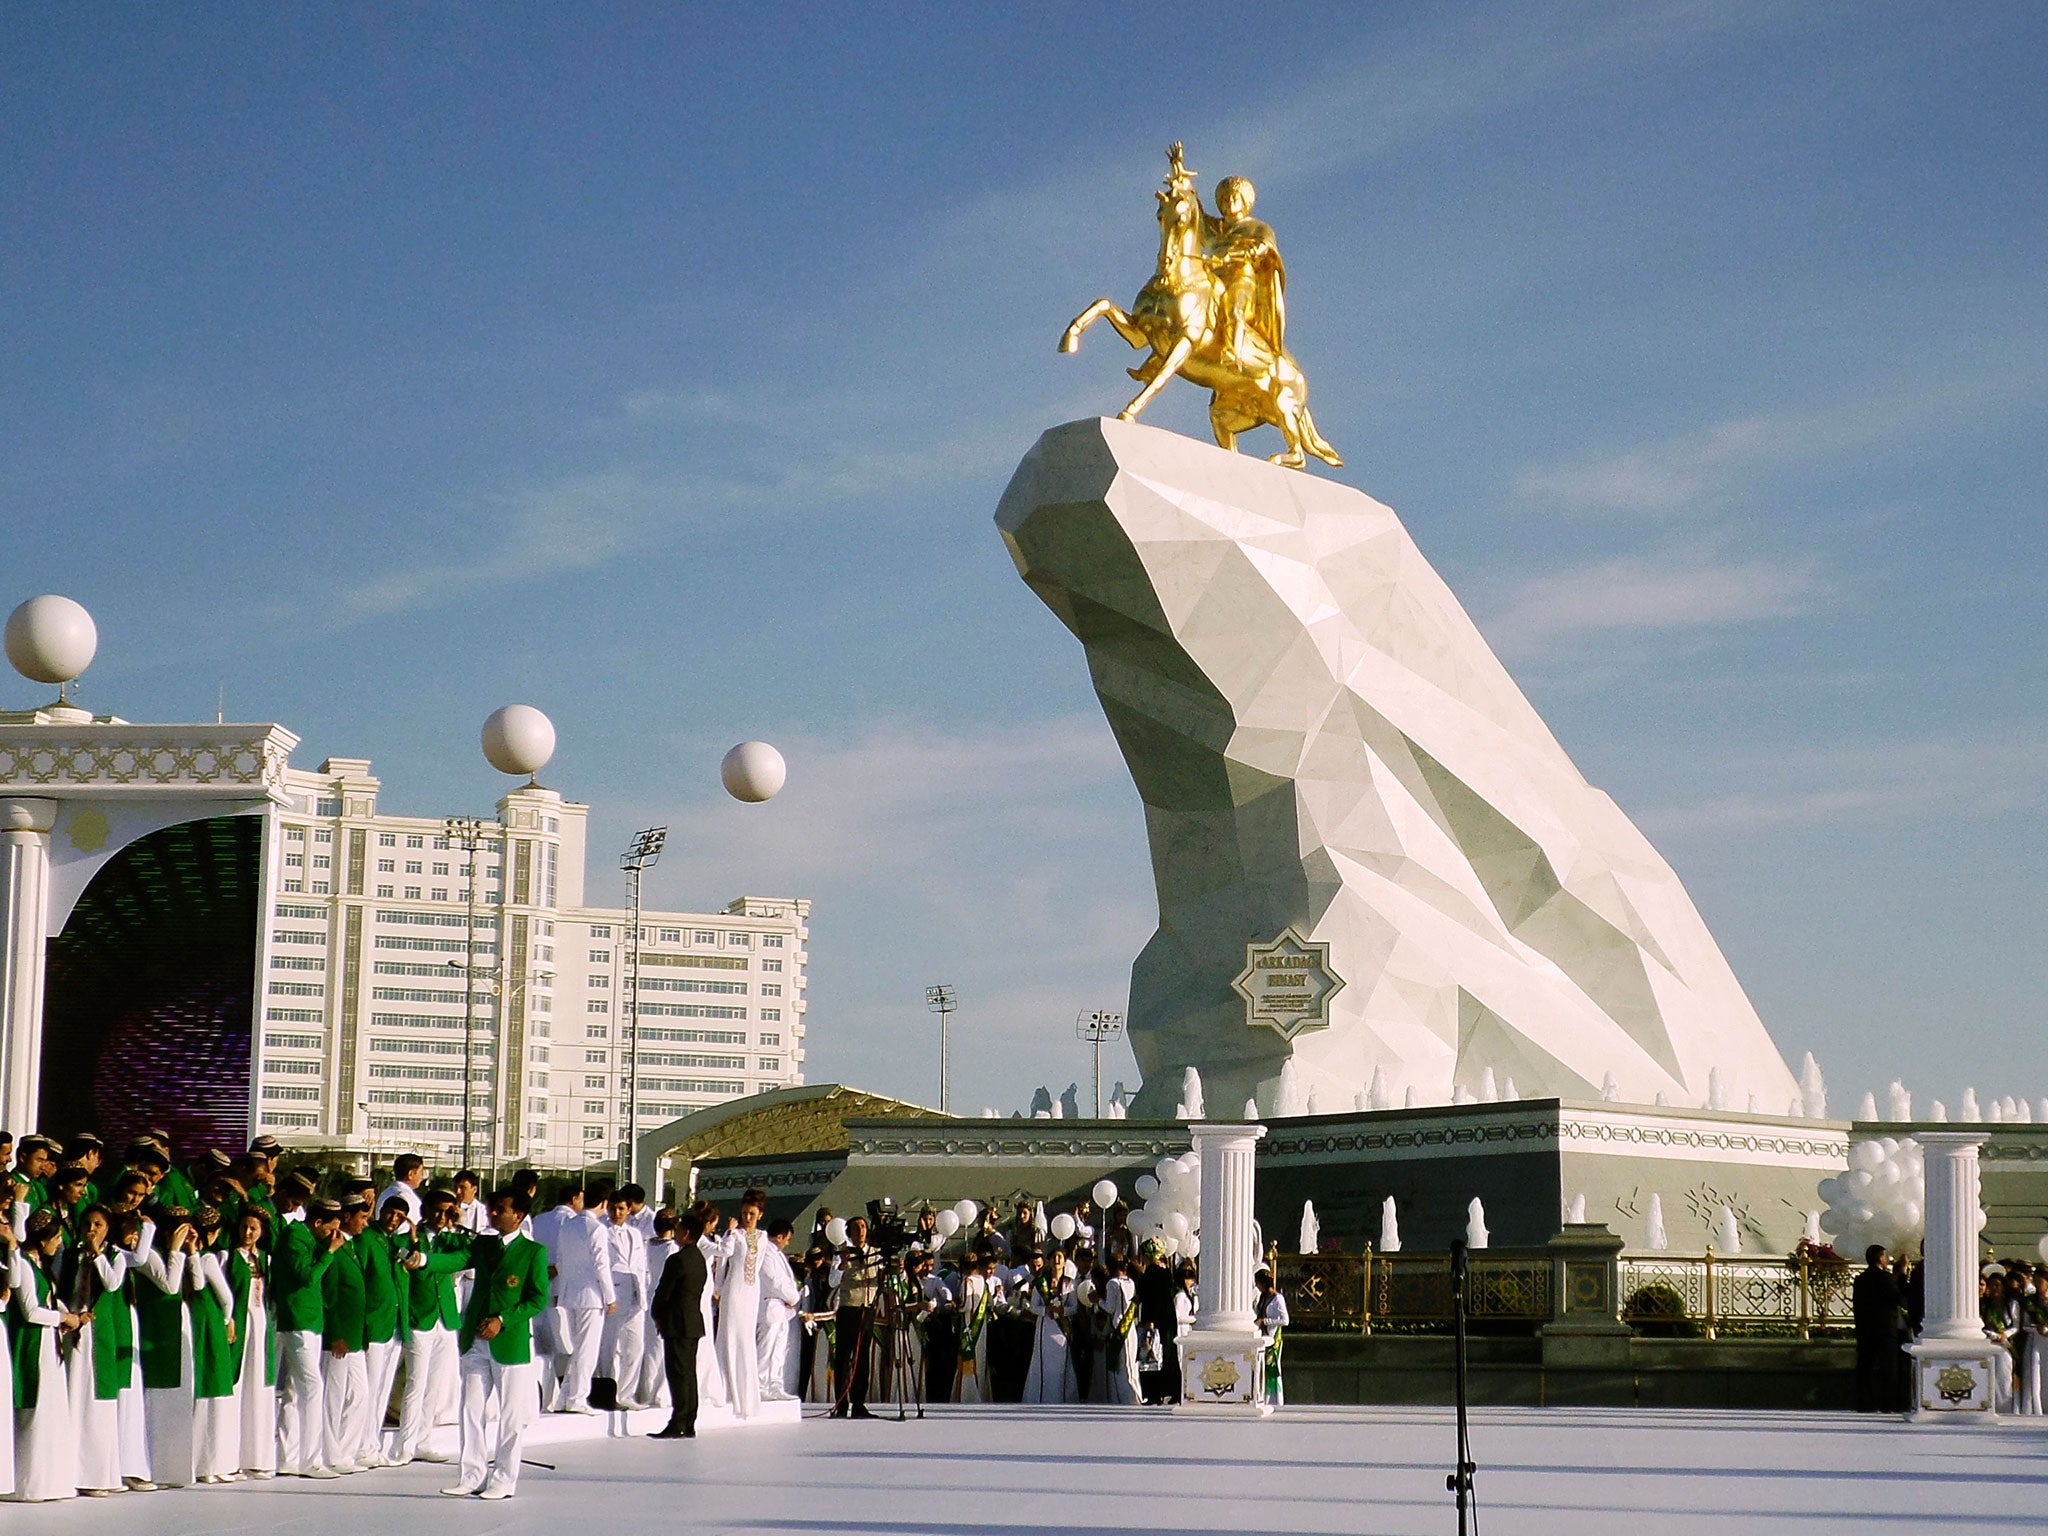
[662, 367]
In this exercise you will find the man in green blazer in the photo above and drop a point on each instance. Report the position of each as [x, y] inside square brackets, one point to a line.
[302, 1255]
[345, 1369]
[384, 1318]
[496, 1344]
[436, 1254]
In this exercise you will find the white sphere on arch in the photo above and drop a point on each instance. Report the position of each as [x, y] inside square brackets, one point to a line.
[519, 739]
[51, 639]
[753, 771]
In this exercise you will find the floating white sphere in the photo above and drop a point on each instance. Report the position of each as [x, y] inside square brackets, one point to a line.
[1104, 1193]
[947, 1223]
[835, 1231]
[753, 771]
[1063, 1227]
[519, 739]
[51, 639]
[967, 1211]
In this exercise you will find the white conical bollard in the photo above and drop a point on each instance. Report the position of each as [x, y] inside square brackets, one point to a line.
[1288, 1101]
[1463, 1096]
[1663, 1099]
[1575, 1213]
[1311, 1229]
[1655, 1238]
[1408, 1098]
[1390, 1227]
[1797, 1109]
[1311, 1105]
[1381, 1094]
[1752, 1107]
[1251, 1109]
[1361, 1101]
[1489, 1090]
[1475, 1225]
[1191, 1094]
[1726, 1233]
[1901, 1106]
[1813, 1228]
[2026, 1113]
[1970, 1114]
[1610, 1090]
[1509, 1092]
[1717, 1090]
[1867, 1109]
[1938, 1112]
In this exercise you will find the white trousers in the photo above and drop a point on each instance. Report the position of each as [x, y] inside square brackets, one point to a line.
[301, 1404]
[381, 1363]
[134, 1432]
[621, 1349]
[581, 1331]
[777, 1329]
[217, 1436]
[98, 1420]
[345, 1384]
[431, 1388]
[490, 1452]
[652, 1388]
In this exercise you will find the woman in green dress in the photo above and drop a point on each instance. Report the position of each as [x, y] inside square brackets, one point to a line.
[163, 1329]
[217, 1419]
[104, 1357]
[256, 1349]
[45, 1439]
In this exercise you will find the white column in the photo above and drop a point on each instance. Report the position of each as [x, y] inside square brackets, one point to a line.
[1228, 1235]
[24, 915]
[1953, 1189]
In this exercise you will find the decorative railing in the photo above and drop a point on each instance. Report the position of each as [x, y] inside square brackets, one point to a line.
[1677, 1295]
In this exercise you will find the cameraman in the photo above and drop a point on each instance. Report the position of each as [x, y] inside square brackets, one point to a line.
[857, 1275]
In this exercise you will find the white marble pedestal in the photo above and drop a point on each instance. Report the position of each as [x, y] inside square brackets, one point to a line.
[1956, 1369]
[1223, 1357]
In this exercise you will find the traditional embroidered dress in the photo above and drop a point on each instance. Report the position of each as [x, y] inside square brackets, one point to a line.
[1051, 1377]
[977, 1306]
[255, 1359]
[45, 1439]
[1120, 1349]
[217, 1418]
[738, 1275]
[1273, 1320]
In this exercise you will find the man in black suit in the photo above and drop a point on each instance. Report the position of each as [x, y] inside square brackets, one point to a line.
[678, 1313]
[1880, 1314]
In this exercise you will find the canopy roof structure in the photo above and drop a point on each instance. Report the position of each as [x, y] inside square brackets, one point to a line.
[811, 1118]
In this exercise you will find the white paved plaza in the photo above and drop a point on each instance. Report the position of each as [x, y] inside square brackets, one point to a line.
[1090, 1472]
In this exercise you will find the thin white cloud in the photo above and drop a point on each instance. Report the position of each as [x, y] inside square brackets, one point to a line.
[1652, 593]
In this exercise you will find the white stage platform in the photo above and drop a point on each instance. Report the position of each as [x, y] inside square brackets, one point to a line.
[1009, 1471]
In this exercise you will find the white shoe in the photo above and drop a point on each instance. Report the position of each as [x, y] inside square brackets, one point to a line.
[459, 1491]
[346, 1468]
[322, 1474]
[398, 1461]
[424, 1454]
[495, 1493]
[582, 1410]
[376, 1459]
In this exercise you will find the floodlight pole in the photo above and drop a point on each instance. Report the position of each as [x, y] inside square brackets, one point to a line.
[1095, 1026]
[468, 833]
[942, 1001]
[640, 856]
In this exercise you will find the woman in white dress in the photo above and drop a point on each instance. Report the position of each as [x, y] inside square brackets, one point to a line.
[738, 1277]
[710, 1376]
[1051, 1299]
[1120, 1338]
[104, 1358]
[216, 1415]
[45, 1439]
[256, 1348]
[651, 1385]
[135, 1238]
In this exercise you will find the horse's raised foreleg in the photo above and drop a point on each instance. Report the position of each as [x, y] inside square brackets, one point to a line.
[1169, 365]
[1070, 340]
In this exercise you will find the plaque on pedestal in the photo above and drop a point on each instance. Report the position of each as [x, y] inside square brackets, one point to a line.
[1957, 1378]
[1223, 1373]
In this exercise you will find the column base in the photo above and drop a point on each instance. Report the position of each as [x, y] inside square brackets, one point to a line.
[1956, 1379]
[1223, 1374]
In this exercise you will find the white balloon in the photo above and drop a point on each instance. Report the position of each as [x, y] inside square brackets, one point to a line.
[835, 1231]
[51, 639]
[1104, 1193]
[947, 1223]
[967, 1210]
[1176, 1225]
[753, 771]
[1191, 1245]
[518, 739]
[1146, 1186]
[1062, 1226]
[2042, 1247]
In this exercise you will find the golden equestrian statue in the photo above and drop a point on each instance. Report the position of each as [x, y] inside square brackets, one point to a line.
[1216, 314]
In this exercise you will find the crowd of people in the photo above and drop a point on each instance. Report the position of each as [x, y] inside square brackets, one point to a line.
[175, 1321]
[1890, 1302]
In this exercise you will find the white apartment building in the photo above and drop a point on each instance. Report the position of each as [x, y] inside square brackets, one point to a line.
[394, 984]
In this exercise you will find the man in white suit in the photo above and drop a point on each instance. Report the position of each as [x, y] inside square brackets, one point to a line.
[779, 1296]
[580, 1291]
[619, 1349]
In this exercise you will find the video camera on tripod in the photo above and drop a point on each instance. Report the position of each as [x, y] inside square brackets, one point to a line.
[887, 1229]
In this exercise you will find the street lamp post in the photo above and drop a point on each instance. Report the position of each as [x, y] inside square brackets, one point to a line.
[1097, 1025]
[639, 857]
[941, 1000]
[469, 833]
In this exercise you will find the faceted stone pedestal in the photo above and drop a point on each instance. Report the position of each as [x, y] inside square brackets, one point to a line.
[1955, 1379]
[1223, 1373]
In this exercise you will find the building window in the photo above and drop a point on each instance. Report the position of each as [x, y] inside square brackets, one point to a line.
[600, 957]
[294, 860]
[772, 1015]
[594, 1058]
[771, 965]
[593, 1107]
[412, 867]
[322, 861]
[771, 941]
[386, 867]
[440, 868]
[771, 1063]
[324, 835]
[295, 885]
[703, 936]
[537, 1106]
[415, 842]
[600, 930]
[295, 834]
[412, 893]
[593, 1082]
[321, 888]
[386, 840]
[771, 1039]
[598, 1031]
[739, 940]
[383, 890]
[593, 1132]
[768, 989]
[440, 893]
[598, 983]
[598, 1005]
[671, 935]
[326, 807]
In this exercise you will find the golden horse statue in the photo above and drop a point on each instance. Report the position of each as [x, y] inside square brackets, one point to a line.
[1214, 313]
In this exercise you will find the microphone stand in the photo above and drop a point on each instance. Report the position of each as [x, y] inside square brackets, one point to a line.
[1460, 1481]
